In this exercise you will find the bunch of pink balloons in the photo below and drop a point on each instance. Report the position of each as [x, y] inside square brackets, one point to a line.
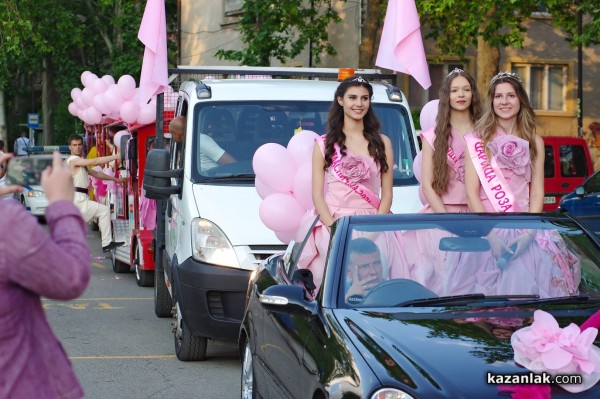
[105, 100]
[284, 182]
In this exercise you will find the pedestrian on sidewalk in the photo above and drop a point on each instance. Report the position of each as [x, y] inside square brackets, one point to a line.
[91, 209]
[35, 264]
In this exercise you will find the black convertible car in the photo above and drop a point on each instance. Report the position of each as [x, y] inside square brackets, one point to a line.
[426, 306]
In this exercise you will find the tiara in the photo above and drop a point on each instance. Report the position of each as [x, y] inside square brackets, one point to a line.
[359, 79]
[506, 74]
[455, 70]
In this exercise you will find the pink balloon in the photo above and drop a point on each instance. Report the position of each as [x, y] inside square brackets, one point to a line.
[417, 171]
[75, 93]
[428, 115]
[93, 115]
[84, 76]
[109, 80]
[126, 85]
[87, 95]
[305, 225]
[99, 86]
[281, 212]
[113, 99]
[117, 138]
[100, 104]
[129, 111]
[147, 113]
[273, 165]
[285, 236]
[90, 79]
[302, 186]
[73, 109]
[301, 146]
[262, 189]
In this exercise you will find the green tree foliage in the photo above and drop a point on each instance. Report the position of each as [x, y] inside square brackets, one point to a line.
[282, 30]
[40, 38]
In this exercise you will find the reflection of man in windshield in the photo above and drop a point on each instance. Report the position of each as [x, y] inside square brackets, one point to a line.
[211, 154]
[365, 269]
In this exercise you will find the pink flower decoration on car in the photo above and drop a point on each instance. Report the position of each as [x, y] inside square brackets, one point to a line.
[354, 169]
[545, 347]
[512, 153]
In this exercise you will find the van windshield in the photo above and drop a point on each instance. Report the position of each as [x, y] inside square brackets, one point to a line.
[232, 132]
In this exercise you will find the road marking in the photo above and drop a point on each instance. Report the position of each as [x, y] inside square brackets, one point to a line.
[104, 299]
[106, 306]
[122, 357]
[98, 265]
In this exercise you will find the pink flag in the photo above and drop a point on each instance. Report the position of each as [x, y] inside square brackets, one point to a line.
[154, 78]
[401, 47]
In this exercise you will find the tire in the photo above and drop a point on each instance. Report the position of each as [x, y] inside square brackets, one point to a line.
[248, 385]
[143, 278]
[188, 347]
[163, 304]
[118, 266]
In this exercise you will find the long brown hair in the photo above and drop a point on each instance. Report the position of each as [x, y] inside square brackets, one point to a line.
[335, 125]
[443, 128]
[488, 125]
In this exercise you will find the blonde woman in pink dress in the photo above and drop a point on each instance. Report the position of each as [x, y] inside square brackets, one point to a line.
[354, 160]
[505, 173]
[442, 163]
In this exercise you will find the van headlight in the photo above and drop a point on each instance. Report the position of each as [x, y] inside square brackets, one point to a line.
[210, 244]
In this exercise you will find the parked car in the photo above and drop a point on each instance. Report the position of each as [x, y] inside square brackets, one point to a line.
[400, 339]
[584, 202]
[567, 164]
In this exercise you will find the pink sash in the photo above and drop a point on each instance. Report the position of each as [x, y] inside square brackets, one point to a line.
[370, 197]
[491, 177]
[429, 136]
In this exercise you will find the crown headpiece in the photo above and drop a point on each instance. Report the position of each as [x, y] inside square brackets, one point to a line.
[506, 74]
[359, 79]
[455, 70]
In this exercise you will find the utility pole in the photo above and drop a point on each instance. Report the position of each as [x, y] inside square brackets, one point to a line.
[579, 76]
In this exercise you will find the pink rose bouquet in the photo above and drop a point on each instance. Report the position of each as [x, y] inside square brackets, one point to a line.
[354, 169]
[512, 153]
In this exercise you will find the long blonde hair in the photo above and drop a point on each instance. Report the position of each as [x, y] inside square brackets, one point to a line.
[488, 125]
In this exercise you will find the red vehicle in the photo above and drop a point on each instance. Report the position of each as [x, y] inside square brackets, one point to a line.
[567, 164]
[128, 206]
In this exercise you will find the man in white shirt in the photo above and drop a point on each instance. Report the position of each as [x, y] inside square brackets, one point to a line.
[21, 144]
[211, 154]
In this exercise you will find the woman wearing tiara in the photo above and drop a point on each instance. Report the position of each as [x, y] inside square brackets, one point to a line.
[443, 171]
[505, 173]
[354, 160]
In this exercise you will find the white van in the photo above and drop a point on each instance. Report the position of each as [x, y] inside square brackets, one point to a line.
[213, 236]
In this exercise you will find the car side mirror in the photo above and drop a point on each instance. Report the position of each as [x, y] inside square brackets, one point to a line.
[287, 298]
[157, 175]
[579, 191]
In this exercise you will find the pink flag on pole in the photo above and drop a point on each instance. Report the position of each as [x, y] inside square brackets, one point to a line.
[401, 46]
[154, 78]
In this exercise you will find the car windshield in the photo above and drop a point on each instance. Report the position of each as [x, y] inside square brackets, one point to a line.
[240, 128]
[429, 261]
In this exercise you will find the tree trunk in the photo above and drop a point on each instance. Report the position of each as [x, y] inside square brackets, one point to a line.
[488, 59]
[366, 51]
[49, 101]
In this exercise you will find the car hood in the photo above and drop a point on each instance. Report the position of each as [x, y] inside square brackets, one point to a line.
[447, 354]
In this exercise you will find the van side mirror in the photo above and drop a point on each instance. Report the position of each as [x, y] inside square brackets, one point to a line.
[579, 191]
[123, 146]
[157, 175]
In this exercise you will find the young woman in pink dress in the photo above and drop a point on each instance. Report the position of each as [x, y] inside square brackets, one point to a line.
[354, 161]
[505, 173]
[442, 162]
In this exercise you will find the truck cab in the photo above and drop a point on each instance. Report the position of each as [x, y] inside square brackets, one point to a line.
[213, 235]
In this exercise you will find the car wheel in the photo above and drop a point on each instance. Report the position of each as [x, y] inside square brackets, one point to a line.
[248, 381]
[143, 278]
[188, 347]
[118, 266]
[163, 304]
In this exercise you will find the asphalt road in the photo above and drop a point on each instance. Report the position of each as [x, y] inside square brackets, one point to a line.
[120, 349]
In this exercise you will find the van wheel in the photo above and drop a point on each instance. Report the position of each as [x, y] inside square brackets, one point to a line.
[188, 347]
[162, 299]
[143, 278]
[117, 265]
